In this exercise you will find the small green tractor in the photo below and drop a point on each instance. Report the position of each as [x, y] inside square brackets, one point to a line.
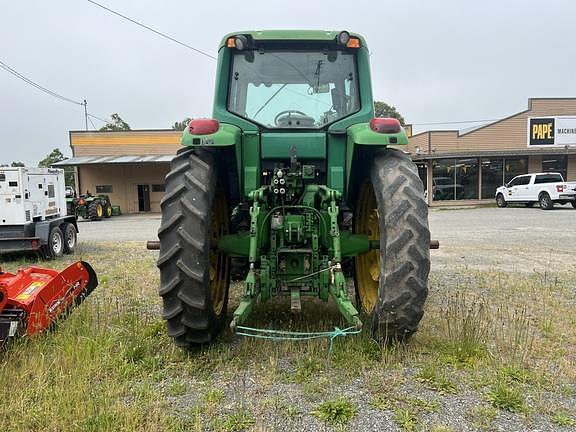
[93, 207]
[294, 177]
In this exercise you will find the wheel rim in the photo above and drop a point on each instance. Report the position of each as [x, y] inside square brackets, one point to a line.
[108, 211]
[99, 210]
[218, 260]
[368, 264]
[56, 242]
[71, 239]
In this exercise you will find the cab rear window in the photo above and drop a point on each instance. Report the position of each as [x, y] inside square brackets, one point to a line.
[548, 178]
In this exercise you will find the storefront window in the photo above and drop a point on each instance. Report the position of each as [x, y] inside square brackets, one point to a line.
[492, 176]
[514, 167]
[555, 164]
[466, 178]
[498, 171]
[455, 179]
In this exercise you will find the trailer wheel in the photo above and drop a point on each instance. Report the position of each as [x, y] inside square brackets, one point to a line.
[56, 242]
[95, 211]
[194, 275]
[392, 284]
[70, 238]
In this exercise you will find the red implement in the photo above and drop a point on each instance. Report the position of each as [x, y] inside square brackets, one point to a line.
[34, 298]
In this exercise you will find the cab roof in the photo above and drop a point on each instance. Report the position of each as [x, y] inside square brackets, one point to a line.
[291, 35]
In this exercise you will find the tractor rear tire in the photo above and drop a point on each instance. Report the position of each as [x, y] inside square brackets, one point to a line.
[194, 276]
[107, 210]
[392, 284]
[95, 211]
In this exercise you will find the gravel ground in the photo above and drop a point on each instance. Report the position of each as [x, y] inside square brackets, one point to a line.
[475, 245]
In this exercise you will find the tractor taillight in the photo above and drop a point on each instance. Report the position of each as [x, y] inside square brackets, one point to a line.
[203, 126]
[385, 125]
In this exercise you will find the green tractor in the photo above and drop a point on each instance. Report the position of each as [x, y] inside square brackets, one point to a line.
[92, 207]
[294, 176]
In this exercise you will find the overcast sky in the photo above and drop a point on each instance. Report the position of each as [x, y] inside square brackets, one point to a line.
[436, 61]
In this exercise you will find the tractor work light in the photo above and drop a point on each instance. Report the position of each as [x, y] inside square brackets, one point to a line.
[385, 125]
[203, 126]
[343, 37]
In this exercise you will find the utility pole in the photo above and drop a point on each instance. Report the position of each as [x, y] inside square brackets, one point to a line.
[85, 113]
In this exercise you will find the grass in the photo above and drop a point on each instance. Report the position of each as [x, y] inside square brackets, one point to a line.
[336, 412]
[507, 337]
[505, 397]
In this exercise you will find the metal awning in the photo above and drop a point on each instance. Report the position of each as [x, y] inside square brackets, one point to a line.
[494, 153]
[124, 159]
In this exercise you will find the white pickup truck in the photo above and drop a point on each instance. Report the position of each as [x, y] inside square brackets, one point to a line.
[544, 188]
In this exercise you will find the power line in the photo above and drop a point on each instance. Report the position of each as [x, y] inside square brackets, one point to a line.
[91, 122]
[36, 85]
[159, 33]
[97, 118]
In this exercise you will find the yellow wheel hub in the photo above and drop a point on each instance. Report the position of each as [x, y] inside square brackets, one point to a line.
[218, 261]
[99, 211]
[368, 264]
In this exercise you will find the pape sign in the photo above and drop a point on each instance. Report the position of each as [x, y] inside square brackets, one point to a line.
[552, 131]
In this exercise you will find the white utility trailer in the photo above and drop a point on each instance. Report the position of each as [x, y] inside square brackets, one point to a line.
[33, 215]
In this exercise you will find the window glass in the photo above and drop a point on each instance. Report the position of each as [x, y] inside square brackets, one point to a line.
[521, 181]
[293, 89]
[556, 164]
[466, 186]
[548, 178]
[492, 176]
[443, 181]
[455, 179]
[514, 167]
[158, 188]
[104, 189]
[51, 193]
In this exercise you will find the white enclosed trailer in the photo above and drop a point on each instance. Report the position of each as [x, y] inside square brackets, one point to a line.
[33, 213]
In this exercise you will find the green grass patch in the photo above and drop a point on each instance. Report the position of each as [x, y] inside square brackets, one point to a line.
[505, 397]
[435, 379]
[336, 412]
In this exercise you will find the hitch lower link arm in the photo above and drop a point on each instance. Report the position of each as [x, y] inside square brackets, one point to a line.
[251, 285]
[338, 286]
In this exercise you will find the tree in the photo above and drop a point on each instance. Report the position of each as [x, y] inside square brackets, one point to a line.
[54, 156]
[180, 126]
[57, 156]
[115, 124]
[382, 109]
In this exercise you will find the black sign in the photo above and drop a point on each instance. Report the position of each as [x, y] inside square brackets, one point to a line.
[541, 132]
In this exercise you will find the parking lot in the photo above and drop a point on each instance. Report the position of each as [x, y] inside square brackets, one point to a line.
[513, 238]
